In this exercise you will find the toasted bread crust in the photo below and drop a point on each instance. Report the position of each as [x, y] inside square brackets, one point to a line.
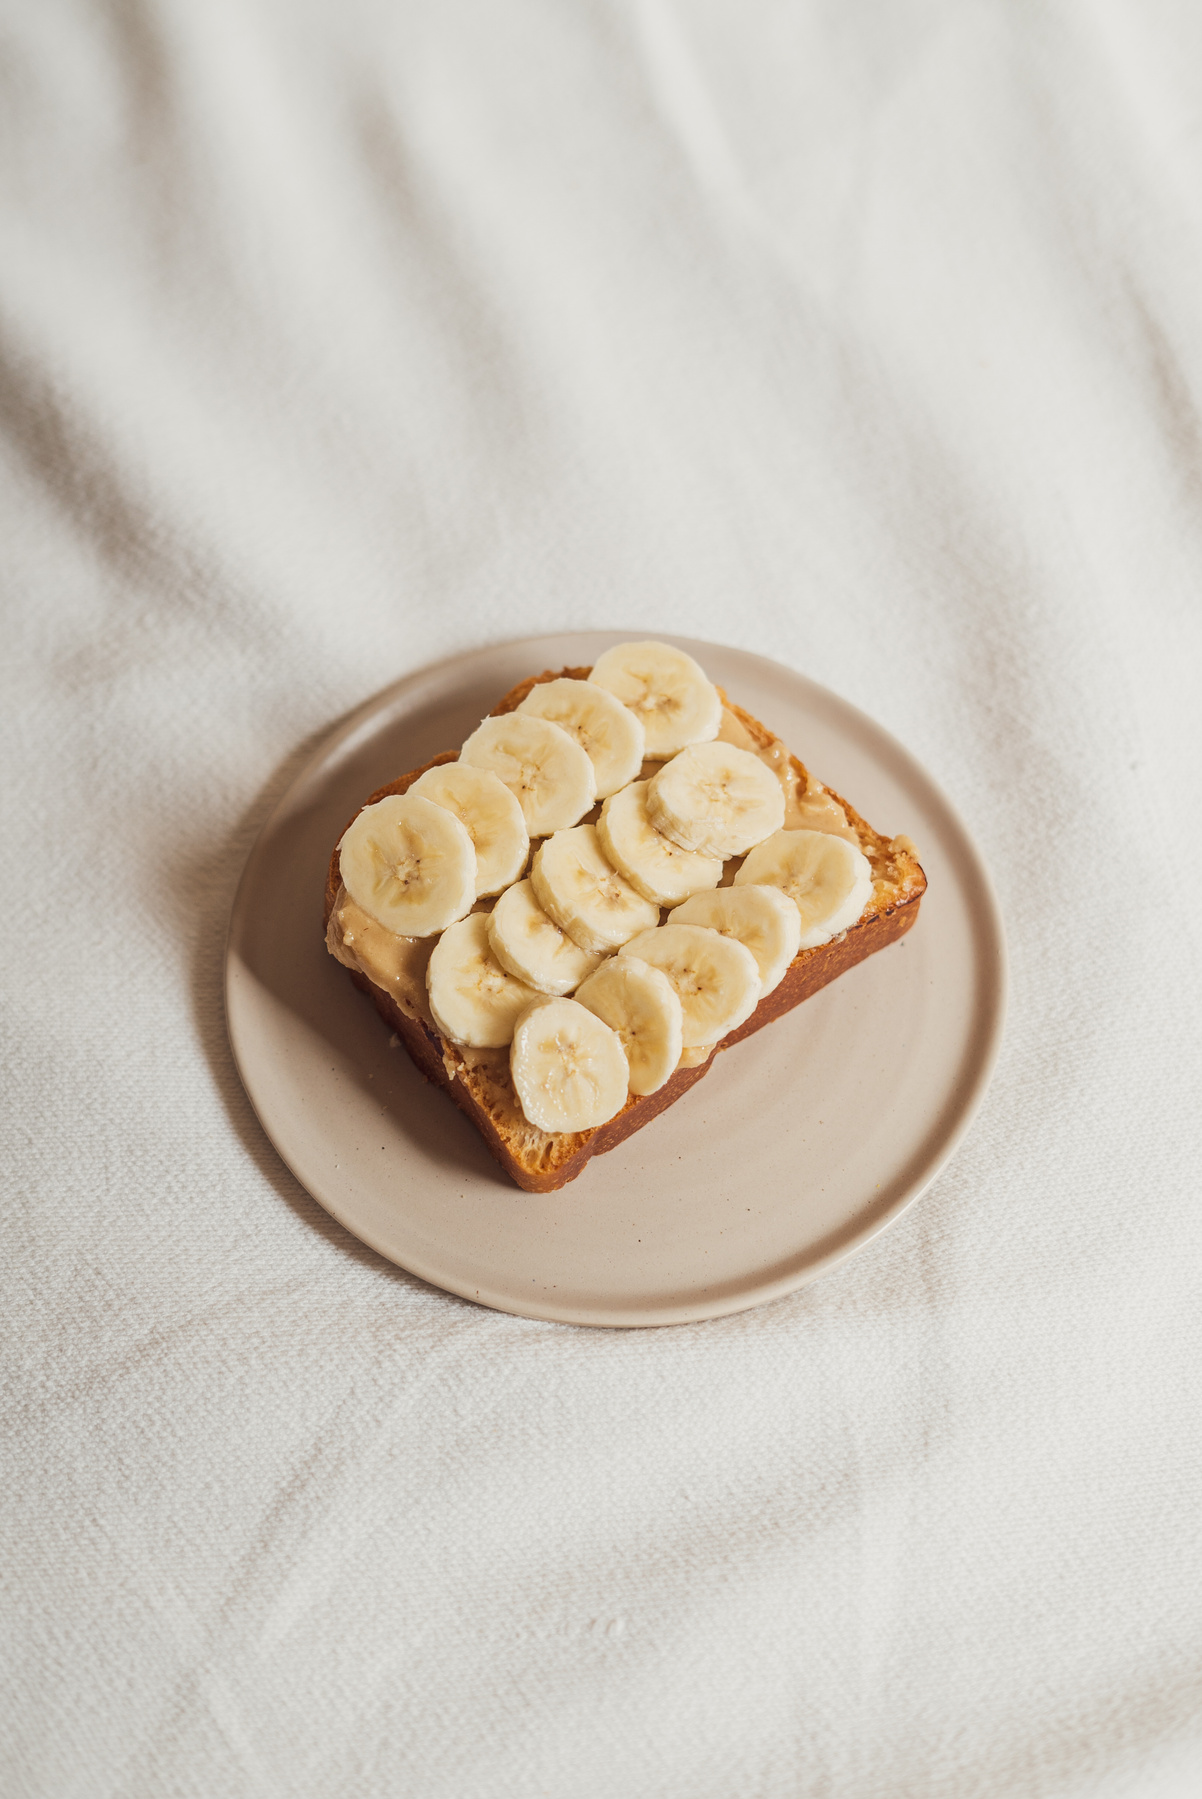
[479, 1084]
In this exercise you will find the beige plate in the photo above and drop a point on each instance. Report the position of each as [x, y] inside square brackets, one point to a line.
[796, 1147]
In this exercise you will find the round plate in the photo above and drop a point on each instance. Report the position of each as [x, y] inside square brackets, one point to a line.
[794, 1149]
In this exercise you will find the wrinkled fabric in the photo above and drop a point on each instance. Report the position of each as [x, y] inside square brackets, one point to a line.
[335, 340]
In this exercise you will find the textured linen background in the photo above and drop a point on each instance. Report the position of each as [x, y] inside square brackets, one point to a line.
[336, 339]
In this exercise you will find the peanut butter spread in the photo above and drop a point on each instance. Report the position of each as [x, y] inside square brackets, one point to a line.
[808, 806]
[397, 964]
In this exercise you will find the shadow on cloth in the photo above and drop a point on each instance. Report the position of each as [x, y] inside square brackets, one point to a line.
[206, 887]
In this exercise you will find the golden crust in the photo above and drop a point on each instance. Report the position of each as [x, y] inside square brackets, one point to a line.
[478, 1081]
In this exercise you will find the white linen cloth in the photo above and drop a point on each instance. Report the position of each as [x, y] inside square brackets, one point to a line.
[335, 339]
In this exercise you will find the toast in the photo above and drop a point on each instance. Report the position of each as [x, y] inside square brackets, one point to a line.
[479, 1082]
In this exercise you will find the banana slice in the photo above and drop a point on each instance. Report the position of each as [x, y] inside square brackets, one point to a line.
[474, 1001]
[654, 867]
[585, 895]
[608, 732]
[672, 696]
[532, 947]
[568, 1067]
[548, 773]
[829, 879]
[488, 813]
[716, 799]
[640, 1004]
[716, 979]
[410, 864]
[763, 919]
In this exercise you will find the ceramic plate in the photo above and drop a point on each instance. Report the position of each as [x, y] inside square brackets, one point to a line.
[797, 1146]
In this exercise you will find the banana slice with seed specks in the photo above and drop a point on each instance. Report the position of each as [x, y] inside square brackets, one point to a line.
[548, 773]
[474, 1001]
[716, 799]
[716, 979]
[608, 732]
[829, 879]
[532, 946]
[489, 814]
[568, 1066]
[763, 919]
[409, 864]
[585, 895]
[654, 867]
[640, 1004]
[668, 691]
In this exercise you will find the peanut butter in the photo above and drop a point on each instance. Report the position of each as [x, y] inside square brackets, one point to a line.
[808, 806]
[397, 964]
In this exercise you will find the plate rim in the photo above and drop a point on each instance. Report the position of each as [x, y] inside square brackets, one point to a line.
[754, 1294]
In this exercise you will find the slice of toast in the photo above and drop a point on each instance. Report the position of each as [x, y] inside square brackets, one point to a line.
[478, 1080]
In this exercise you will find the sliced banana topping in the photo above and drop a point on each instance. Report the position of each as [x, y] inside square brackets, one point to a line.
[654, 867]
[640, 1004]
[763, 919]
[532, 946]
[410, 864]
[609, 733]
[715, 799]
[829, 879]
[474, 1001]
[585, 895]
[489, 814]
[715, 977]
[568, 1066]
[666, 689]
[682, 791]
[544, 768]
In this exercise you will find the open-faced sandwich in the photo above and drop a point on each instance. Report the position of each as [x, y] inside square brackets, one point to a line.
[618, 874]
